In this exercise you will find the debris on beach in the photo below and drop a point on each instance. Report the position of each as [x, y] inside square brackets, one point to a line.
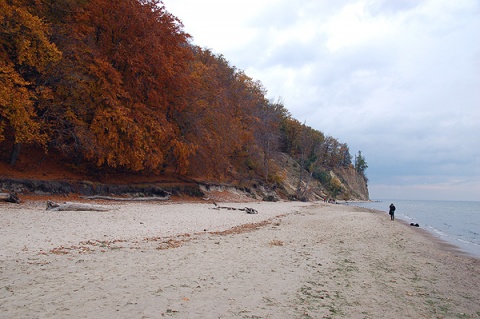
[71, 206]
[248, 210]
[10, 197]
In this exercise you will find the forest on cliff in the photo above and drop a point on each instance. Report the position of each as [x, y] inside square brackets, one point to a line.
[117, 85]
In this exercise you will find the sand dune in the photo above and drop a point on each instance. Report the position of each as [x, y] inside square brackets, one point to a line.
[292, 260]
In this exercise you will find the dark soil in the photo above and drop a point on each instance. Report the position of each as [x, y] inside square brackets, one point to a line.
[35, 174]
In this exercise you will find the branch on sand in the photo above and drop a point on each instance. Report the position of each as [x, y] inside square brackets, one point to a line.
[10, 198]
[71, 206]
[248, 210]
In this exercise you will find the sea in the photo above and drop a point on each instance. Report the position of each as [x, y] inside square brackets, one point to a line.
[456, 222]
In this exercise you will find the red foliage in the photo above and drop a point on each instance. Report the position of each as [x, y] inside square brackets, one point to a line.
[128, 92]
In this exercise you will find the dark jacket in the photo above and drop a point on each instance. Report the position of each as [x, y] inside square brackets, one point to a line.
[392, 209]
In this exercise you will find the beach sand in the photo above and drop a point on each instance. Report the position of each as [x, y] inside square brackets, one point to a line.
[291, 260]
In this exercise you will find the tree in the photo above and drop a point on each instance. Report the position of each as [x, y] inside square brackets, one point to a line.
[308, 146]
[121, 85]
[345, 157]
[335, 186]
[116, 84]
[289, 130]
[267, 131]
[211, 120]
[25, 53]
[222, 116]
[360, 164]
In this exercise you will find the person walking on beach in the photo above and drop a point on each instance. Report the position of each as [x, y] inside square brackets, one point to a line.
[392, 211]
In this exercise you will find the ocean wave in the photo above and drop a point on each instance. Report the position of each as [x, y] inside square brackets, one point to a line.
[405, 217]
[449, 236]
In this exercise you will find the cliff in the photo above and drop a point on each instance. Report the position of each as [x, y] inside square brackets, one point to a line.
[353, 184]
[341, 183]
[31, 176]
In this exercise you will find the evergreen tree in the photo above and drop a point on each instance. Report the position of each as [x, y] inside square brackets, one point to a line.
[360, 164]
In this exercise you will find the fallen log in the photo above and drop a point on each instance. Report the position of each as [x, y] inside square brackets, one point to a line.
[10, 198]
[71, 206]
[138, 199]
[248, 210]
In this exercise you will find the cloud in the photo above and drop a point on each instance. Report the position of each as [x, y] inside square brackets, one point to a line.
[386, 7]
[396, 79]
[426, 187]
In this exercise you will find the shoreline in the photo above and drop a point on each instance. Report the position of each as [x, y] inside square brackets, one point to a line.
[186, 260]
[447, 245]
[451, 241]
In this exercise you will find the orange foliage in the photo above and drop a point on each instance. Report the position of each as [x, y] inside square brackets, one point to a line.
[220, 116]
[24, 49]
[124, 68]
[122, 88]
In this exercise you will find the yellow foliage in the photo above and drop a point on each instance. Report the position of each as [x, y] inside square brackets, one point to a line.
[335, 182]
[24, 41]
[16, 106]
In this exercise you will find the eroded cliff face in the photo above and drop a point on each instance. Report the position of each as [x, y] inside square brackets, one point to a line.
[54, 178]
[353, 184]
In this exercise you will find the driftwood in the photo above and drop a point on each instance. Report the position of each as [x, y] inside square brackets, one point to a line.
[71, 206]
[248, 210]
[139, 199]
[10, 198]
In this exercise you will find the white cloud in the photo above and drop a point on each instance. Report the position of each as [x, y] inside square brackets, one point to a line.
[424, 187]
[396, 79]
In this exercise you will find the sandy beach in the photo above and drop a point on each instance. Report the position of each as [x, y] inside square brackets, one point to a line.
[188, 260]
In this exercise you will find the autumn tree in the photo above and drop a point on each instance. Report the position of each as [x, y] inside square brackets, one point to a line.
[270, 115]
[207, 122]
[291, 130]
[221, 115]
[116, 84]
[335, 186]
[121, 84]
[259, 121]
[25, 53]
[309, 147]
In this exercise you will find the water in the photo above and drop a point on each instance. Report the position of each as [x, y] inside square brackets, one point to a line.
[457, 222]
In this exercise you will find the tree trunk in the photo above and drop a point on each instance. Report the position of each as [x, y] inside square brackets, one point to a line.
[15, 153]
[266, 156]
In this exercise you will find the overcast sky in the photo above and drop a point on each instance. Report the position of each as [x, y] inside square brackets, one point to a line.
[397, 79]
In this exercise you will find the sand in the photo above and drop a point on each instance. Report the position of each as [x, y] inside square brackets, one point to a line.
[291, 260]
